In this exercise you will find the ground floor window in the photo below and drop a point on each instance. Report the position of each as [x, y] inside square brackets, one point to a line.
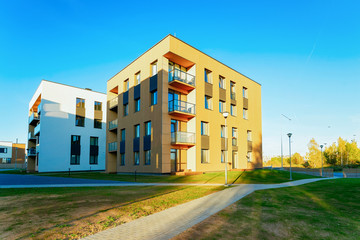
[248, 156]
[147, 157]
[122, 159]
[204, 155]
[136, 158]
[223, 156]
[93, 159]
[75, 160]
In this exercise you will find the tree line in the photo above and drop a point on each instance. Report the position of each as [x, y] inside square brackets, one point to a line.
[340, 153]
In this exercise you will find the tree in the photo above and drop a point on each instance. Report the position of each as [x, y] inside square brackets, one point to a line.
[313, 156]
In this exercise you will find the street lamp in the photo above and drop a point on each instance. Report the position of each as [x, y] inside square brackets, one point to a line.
[282, 141]
[289, 135]
[322, 167]
[226, 114]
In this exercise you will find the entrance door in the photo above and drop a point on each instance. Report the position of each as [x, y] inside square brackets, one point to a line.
[173, 159]
[235, 160]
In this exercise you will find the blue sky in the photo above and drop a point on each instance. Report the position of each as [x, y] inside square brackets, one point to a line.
[306, 55]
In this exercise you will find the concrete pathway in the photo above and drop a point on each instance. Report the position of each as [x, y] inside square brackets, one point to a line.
[171, 222]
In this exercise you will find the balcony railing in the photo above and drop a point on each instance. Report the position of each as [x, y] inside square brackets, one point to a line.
[113, 124]
[32, 152]
[37, 130]
[181, 76]
[34, 117]
[182, 138]
[39, 107]
[31, 136]
[113, 147]
[233, 96]
[181, 106]
[113, 102]
[234, 141]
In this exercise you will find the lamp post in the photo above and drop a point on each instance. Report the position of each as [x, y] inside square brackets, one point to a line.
[226, 114]
[282, 141]
[289, 135]
[322, 167]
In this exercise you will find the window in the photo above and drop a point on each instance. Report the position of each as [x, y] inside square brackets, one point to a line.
[123, 133]
[148, 128]
[249, 135]
[126, 85]
[137, 131]
[221, 82]
[80, 103]
[153, 99]
[205, 128]
[223, 131]
[122, 159]
[147, 157]
[3, 150]
[233, 110]
[154, 68]
[75, 150]
[248, 156]
[79, 121]
[94, 143]
[137, 105]
[245, 113]
[245, 92]
[232, 90]
[208, 76]
[204, 155]
[208, 102]
[137, 78]
[97, 123]
[136, 158]
[223, 156]
[222, 106]
[97, 106]
[126, 109]
[234, 136]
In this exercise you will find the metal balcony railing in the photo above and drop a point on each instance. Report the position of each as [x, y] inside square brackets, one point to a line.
[181, 76]
[183, 137]
[113, 102]
[113, 124]
[181, 106]
[32, 152]
[113, 147]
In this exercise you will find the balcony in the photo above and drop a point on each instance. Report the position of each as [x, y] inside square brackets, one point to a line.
[182, 109]
[31, 152]
[182, 80]
[113, 104]
[34, 119]
[232, 96]
[37, 130]
[32, 137]
[113, 125]
[39, 108]
[183, 140]
[113, 147]
[234, 141]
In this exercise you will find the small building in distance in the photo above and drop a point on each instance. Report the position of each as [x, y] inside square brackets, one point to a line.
[66, 129]
[11, 154]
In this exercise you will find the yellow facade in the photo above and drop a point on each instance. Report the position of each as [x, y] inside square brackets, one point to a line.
[181, 69]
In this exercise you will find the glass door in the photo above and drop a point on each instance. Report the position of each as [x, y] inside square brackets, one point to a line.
[173, 159]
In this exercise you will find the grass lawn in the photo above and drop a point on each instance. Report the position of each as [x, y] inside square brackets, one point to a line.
[328, 209]
[254, 176]
[71, 213]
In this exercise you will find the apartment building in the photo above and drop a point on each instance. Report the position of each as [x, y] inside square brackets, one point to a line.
[165, 114]
[11, 153]
[67, 129]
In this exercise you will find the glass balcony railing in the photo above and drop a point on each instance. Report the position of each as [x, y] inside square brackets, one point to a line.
[34, 117]
[113, 147]
[182, 137]
[181, 106]
[113, 124]
[32, 152]
[37, 130]
[113, 102]
[181, 76]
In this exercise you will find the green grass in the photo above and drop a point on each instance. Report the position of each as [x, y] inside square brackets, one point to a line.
[328, 209]
[254, 176]
[58, 213]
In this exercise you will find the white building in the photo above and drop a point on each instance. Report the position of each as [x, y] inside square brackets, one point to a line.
[5, 152]
[66, 129]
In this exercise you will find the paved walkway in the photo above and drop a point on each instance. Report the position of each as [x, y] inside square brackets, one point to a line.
[171, 222]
